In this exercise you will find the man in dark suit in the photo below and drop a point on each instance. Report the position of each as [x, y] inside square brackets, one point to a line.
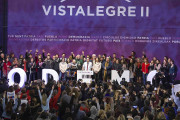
[106, 72]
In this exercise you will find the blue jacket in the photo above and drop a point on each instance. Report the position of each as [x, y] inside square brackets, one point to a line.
[172, 70]
[45, 108]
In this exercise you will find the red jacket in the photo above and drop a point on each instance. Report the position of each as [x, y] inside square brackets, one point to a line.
[145, 68]
[6, 68]
[53, 102]
[28, 96]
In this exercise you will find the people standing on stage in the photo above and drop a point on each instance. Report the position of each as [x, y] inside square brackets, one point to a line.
[106, 72]
[63, 57]
[172, 71]
[15, 63]
[6, 67]
[151, 66]
[97, 69]
[164, 67]
[114, 56]
[138, 71]
[157, 66]
[32, 70]
[68, 73]
[123, 64]
[79, 62]
[145, 70]
[2, 60]
[143, 58]
[48, 62]
[57, 57]
[87, 66]
[117, 66]
[63, 66]
[93, 59]
[11, 57]
[73, 69]
[20, 60]
[154, 60]
[40, 66]
[133, 55]
[104, 58]
[55, 63]
[131, 68]
[169, 63]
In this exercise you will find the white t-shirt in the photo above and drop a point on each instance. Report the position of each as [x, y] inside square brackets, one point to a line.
[97, 67]
[63, 66]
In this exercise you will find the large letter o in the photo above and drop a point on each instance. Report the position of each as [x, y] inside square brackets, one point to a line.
[22, 74]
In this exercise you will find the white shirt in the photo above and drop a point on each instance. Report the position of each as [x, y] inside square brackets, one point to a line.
[87, 66]
[97, 67]
[63, 67]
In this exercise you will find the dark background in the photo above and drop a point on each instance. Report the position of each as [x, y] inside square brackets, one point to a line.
[3, 24]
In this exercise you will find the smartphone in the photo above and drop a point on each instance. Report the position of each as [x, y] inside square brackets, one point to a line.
[135, 107]
[124, 97]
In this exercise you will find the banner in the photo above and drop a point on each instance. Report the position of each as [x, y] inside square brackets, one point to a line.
[11, 95]
[65, 26]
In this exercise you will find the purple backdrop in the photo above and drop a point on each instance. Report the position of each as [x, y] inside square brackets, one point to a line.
[162, 27]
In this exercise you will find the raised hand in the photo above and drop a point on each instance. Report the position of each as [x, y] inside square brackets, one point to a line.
[53, 87]
[4, 95]
[38, 87]
[59, 85]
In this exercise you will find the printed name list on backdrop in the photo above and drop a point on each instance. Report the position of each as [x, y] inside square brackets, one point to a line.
[62, 26]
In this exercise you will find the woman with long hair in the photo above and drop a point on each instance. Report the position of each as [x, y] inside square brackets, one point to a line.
[172, 71]
[138, 71]
[44, 99]
[145, 70]
[131, 68]
[6, 67]
[96, 69]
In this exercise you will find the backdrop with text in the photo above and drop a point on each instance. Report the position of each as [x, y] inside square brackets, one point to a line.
[96, 26]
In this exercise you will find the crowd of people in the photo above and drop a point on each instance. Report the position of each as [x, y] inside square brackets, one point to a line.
[71, 99]
[100, 64]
